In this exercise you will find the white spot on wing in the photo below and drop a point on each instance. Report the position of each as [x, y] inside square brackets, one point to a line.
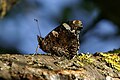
[55, 33]
[66, 26]
[73, 31]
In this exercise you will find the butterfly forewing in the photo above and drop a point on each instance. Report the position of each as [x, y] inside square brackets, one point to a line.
[63, 40]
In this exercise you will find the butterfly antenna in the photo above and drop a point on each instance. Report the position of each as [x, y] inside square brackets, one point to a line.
[38, 26]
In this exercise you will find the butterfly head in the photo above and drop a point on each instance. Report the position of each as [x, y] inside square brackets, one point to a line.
[77, 24]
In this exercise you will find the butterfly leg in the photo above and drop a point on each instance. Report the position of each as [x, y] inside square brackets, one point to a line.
[36, 51]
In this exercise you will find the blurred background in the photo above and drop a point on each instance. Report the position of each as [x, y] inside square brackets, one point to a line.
[18, 30]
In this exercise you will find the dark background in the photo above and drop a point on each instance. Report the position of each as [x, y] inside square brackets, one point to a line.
[18, 30]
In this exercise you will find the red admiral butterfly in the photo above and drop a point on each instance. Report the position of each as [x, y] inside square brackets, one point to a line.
[63, 40]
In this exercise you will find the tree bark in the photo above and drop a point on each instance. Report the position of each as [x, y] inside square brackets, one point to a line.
[98, 66]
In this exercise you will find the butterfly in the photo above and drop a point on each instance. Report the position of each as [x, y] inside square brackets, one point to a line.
[63, 40]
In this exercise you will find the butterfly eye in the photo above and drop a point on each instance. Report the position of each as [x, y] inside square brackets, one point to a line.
[81, 26]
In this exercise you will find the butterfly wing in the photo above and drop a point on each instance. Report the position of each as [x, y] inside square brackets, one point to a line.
[63, 40]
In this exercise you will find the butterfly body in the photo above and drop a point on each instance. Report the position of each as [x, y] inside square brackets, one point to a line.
[63, 40]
